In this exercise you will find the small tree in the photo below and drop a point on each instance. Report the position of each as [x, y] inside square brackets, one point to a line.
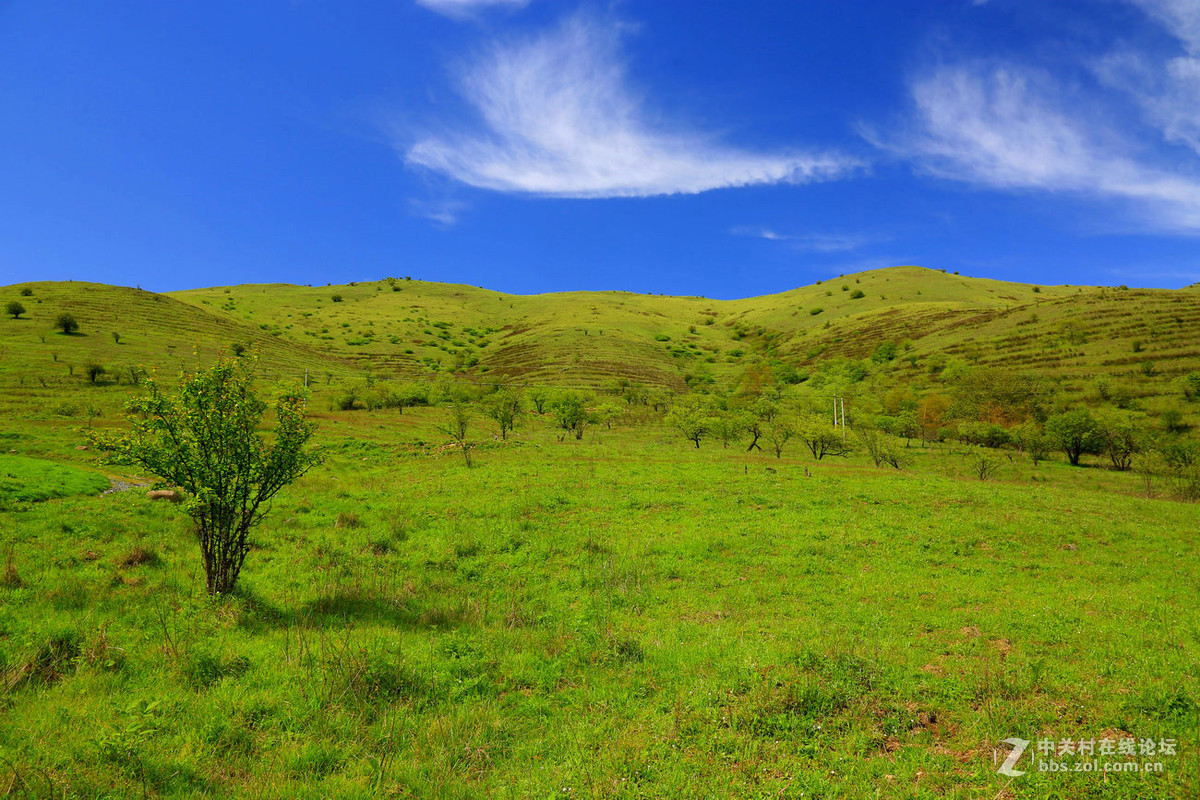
[983, 465]
[1029, 438]
[14, 309]
[692, 416]
[67, 324]
[570, 413]
[456, 427]
[1075, 433]
[1119, 436]
[821, 438]
[116, 337]
[539, 396]
[504, 407]
[94, 371]
[206, 441]
[779, 432]
[728, 427]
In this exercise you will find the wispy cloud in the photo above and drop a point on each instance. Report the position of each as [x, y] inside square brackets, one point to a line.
[813, 242]
[1014, 128]
[467, 8]
[443, 213]
[560, 119]
[1167, 88]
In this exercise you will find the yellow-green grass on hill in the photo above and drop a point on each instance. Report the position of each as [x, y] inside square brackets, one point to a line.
[412, 329]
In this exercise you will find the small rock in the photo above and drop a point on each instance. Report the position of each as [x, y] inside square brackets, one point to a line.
[164, 494]
[81, 447]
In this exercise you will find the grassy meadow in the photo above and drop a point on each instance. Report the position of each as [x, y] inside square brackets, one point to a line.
[619, 615]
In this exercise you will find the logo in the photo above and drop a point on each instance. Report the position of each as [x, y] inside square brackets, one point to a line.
[1018, 747]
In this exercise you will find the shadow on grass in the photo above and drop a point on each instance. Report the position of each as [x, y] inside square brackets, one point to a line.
[350, 606]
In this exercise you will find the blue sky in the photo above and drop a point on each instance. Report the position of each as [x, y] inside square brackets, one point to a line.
[717, 148]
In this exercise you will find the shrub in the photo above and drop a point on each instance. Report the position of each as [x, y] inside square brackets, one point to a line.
[27, 292]
[816, 311]
[206, 441]
[857, 294]
[67, 324]
[1075, 433]
[983, 464]
[94, 371]
[337, 298]
[1172, 421]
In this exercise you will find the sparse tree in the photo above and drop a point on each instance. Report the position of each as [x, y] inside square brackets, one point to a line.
[779, 432]
[729, 427]
[504, 407]
[692, 416]
[457, 424]
[206, 441]
[539, 396]
[821, 438]
[116, 337]
[1031, 440]
[67, 324]
[983, 464]
[94, 371]
[1120, 438]
[570, 412]
[1075, 433]
[606, 412]
[14, 309]
[880, 446]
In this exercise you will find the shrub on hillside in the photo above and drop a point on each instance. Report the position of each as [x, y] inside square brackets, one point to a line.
[1075, 433]
[67, 324]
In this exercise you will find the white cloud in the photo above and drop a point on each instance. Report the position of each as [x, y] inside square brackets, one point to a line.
[465, 8]
[1168, 89]
[443, 213]
[561, 120]
[1015, 129]
[814, 242]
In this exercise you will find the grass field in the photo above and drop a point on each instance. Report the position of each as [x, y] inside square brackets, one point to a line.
[619, 616]
[623, 615]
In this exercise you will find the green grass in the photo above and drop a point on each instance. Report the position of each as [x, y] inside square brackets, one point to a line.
[30, 480]
[623, 616]
[620, 616]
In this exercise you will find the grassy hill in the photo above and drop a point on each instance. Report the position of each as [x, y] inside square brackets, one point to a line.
[406, 328]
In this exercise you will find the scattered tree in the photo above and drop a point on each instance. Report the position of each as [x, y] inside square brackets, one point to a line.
[539, 396]
[1119, 437]
[14, 309]
[821, 438]
[456, 427]
[692, 416]
[779, 432]
[983, 463]
[728, 427]
[67, 324]
[570, 413]
[206, 441]
[94, 371]
[504, 407]
[1075, 433]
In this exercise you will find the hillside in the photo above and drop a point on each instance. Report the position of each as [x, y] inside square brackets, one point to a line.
[411, 328]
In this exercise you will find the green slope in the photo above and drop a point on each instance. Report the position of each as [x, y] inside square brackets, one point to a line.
[405, 328]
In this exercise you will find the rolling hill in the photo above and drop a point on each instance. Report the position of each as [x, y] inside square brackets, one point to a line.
[401, 328]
